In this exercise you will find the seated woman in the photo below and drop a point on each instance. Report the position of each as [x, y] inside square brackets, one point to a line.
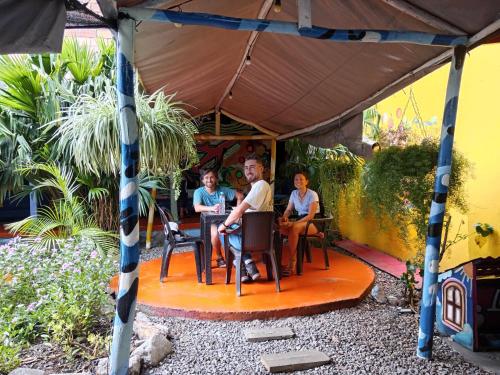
[306, 202]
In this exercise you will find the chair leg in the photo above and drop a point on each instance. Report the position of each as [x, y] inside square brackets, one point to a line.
[165, 261]
[325, 254]
[275, 269]
[238, 275]
[228, 255]
[197, 259]
[308, 251]
[266, 258]
[279, 254]
[300, 255]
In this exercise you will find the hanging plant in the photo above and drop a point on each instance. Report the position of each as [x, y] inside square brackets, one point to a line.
[398, 183]
[338, 175]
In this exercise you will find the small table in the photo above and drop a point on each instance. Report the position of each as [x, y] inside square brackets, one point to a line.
[206, 221]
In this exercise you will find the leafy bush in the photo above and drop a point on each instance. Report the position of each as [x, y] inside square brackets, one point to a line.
[338, 176]
[398, 182]
[57, 293]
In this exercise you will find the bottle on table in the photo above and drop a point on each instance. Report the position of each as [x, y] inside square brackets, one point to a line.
[222, 203]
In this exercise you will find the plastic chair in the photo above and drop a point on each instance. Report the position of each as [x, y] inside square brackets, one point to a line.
[256, 237]
[175, 241]
[322, 225]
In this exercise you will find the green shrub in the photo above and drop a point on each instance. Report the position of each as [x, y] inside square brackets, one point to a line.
[398, 183]
[57, 294]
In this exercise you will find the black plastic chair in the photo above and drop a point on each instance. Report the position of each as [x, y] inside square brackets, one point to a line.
[256, 237]
[323, 225]
[173, 242]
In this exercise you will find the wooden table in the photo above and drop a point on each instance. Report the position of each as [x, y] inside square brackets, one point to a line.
[206, 221]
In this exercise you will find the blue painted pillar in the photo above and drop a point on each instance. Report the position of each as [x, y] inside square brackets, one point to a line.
[33, 204]
[129, 207]
[435, 227]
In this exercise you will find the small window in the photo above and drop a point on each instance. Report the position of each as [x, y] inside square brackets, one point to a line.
[454, 304]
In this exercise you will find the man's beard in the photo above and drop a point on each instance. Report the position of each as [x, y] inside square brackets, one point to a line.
[251, 178]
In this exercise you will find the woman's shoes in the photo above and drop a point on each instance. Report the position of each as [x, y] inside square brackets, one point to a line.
[287, 271]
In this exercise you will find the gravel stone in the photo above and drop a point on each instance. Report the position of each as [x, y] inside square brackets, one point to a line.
[371, 338]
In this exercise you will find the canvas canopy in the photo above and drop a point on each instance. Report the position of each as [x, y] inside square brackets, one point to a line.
[295, 85]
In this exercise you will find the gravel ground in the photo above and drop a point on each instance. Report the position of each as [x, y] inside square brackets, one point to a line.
[370, 338]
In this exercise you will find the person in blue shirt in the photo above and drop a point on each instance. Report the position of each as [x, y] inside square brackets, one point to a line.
[306, 202]
[207, 198]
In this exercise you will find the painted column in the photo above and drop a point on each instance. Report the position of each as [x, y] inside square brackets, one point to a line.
[435, 227]
[129, 207]
[151, 218]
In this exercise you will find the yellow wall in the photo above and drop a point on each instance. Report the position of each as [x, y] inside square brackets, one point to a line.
[477, 136]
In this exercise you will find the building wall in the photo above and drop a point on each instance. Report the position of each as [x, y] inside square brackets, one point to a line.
[477, 136]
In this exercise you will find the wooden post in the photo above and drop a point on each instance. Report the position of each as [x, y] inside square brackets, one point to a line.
[438, 204]
[173, 201]
[217, 123]
[273, 166]
[129, 201]
[151, 217]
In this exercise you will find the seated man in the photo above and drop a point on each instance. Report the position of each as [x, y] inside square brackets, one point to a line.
[206, 198]
[258, 199]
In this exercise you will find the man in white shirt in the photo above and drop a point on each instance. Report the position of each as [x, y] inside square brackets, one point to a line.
[258, 199]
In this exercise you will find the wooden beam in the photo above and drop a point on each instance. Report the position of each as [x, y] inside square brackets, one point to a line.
[424, 16]
[243, 121]
[108, 9]
[304, 11]
[264, 10]
[272, 173]
[153, 3]
[210, 137]
[217, 123]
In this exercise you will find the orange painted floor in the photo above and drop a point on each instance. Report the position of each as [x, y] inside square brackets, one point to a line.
[318, 290]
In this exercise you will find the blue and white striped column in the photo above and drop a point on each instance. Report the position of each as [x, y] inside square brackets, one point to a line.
[129, 207]
[435, 227]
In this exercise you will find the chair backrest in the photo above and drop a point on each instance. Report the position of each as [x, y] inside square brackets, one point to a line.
[257, 231]
[165, 217]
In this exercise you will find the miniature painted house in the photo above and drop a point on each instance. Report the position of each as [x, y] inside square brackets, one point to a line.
[468, 304]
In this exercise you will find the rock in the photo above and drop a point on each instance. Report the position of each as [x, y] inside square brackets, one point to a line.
[102, 366]
[378, 294]
[71, 373]
[134, 365]
[141, 317]
[393, 300]
[145, 330]
[153, 350]
[268, 333]
[294, 361]
[26, 371]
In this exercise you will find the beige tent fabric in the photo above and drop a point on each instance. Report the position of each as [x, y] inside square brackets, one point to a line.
[294, 83]
[31, 26]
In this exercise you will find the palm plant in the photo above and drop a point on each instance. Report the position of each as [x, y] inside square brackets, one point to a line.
[67, 217]
[88, 137]
[89, 133]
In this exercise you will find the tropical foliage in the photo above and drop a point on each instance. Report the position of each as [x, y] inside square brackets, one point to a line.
[63, 108]
[66, 217]
[332, 171]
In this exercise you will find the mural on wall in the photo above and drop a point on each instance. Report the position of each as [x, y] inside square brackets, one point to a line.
[468, 304]
[229, 157]
[454, 305]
